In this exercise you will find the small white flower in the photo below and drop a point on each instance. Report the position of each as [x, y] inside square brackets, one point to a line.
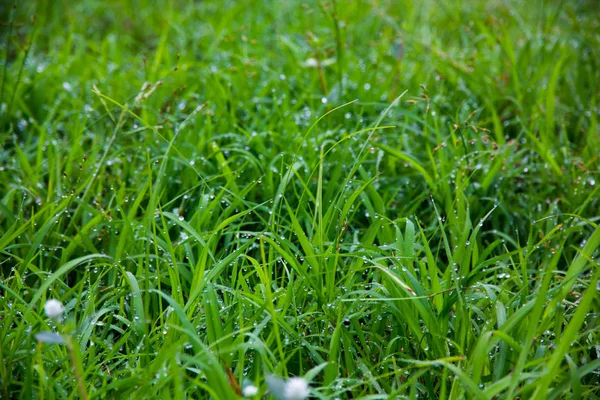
[250, 390]
[311, 62]
[296, 389]
[53, 308]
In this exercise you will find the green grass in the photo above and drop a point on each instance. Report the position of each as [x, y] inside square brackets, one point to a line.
[393, 199]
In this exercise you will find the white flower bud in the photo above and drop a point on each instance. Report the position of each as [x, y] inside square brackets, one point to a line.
[296, 389]
[53, 308]
[250, 390]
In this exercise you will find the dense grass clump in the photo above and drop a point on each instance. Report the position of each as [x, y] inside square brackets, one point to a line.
[391, 199]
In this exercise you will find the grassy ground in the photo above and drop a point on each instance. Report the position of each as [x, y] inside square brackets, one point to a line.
[392, 199]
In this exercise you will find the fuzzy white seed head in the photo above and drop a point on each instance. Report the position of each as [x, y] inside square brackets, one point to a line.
[53, 308]
[250, 390]
[296, 389]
